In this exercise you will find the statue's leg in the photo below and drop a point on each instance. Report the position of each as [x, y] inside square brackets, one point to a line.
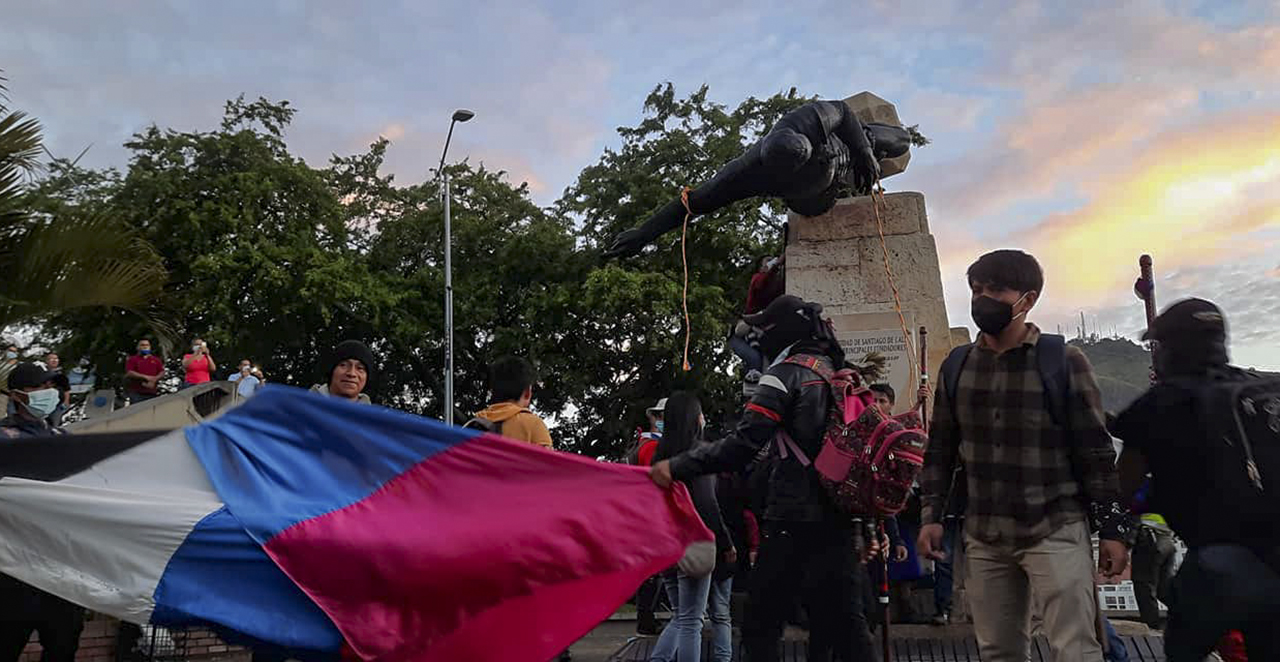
[742, 178]
[756, 172]
[739, 179]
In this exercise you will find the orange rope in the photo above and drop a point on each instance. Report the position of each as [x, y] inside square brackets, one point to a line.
[684, 257]
[877, 199]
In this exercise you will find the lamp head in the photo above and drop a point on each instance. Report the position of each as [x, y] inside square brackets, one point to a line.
[462, 115]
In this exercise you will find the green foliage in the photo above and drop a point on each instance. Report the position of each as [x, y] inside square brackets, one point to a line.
[60, 258]
[634, 341]
[275, 260]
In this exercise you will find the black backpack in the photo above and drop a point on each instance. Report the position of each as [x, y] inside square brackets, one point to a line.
[1240, 414]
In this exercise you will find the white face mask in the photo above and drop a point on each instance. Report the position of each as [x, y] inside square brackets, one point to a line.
[195, 348]
[42, 403]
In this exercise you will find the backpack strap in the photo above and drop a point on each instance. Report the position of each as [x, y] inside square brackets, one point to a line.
[952, 366]
[484, 425]
[815, 364]
[1051, 361]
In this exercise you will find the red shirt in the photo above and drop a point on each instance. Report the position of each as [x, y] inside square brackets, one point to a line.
[645, 453]
[197, 370]
[765, 287]
[149, 365]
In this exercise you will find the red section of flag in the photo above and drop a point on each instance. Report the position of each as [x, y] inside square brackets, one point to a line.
[491, 550]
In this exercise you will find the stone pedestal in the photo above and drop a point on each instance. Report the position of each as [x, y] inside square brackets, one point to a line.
[836, 259]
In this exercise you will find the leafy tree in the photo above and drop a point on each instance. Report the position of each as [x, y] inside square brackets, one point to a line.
[277, 261]
[633, 338]
[256, 242]
[73, 259]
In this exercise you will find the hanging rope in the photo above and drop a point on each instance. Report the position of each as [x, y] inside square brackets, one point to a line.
[877, 200]
[684, 258]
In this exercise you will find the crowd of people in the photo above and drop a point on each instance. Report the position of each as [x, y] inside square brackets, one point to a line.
[1021, 472]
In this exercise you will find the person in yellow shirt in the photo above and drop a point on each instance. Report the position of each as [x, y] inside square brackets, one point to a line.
[511, 383]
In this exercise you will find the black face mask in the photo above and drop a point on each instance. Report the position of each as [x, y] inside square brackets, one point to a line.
[993, 316]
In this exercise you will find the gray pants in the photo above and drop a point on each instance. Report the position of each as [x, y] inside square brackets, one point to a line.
[1000, 580]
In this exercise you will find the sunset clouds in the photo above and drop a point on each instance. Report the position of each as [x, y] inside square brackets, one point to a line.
[1086, 132]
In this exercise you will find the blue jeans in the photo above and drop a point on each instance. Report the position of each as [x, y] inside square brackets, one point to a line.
[1117, 652]
[721, 624]
[944, 570]
[751, 358]
[681, 639]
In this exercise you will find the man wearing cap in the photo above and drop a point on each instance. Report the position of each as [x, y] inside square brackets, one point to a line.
[641, 454]
[809, 545]
[649, 440]
[350, 368]
[1186, 434]
[23, 608]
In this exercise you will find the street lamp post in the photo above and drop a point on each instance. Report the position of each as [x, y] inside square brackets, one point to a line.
[458, 116]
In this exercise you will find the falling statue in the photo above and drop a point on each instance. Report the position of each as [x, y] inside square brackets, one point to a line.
[808, 157]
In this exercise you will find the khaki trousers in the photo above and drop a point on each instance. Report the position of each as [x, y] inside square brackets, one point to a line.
[1000, 579]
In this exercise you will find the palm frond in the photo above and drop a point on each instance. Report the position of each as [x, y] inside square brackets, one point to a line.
[80, 261]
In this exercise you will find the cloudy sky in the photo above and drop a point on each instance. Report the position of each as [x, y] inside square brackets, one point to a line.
[1084, 132]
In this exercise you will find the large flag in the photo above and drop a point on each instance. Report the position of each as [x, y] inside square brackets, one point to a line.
[302, 522]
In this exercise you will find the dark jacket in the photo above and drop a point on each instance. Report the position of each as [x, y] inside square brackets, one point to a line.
[791, 398]
[702, 489]
[14, 427]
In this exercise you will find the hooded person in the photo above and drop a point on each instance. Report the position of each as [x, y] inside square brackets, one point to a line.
[790, 321]
[351, 369]
[809, 549]
[1207, 435]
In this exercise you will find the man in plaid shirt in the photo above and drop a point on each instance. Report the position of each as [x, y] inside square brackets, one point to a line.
[1034, 486]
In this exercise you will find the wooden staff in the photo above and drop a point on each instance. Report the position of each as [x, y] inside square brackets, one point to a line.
[924, 378]
[1145, 289]
[884, 593]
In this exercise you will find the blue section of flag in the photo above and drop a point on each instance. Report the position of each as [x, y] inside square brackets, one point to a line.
[220, 576]
[287, 455]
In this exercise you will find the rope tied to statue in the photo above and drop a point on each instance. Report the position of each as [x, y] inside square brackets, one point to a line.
[877, 200]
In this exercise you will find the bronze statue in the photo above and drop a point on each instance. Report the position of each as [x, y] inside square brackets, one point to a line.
[806, 159]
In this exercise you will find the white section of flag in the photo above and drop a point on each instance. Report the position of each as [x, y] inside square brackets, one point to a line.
[103, 537]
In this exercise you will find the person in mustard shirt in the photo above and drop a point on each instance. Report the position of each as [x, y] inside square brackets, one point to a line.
[511, 384]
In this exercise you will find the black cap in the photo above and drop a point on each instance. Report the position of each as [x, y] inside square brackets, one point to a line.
[352, 349]
[27, 375]
[1189, 320]
[787, 304]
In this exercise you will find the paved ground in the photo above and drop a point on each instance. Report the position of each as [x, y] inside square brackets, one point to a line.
[609, 636]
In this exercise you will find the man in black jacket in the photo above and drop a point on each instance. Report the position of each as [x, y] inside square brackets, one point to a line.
[24, 608]
[1187, 438]
[808, 544]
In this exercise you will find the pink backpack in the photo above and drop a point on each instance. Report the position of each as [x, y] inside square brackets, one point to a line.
[868, 461]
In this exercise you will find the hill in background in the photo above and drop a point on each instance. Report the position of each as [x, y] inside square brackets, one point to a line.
[1123, 369]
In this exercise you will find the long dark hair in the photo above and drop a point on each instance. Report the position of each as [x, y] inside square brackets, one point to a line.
[680, 429]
